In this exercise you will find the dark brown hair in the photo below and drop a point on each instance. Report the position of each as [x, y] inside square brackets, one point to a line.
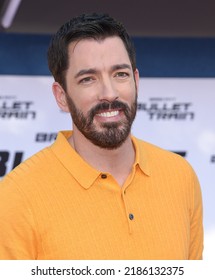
[96, 26]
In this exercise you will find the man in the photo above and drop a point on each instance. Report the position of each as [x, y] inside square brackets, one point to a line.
[98, 192]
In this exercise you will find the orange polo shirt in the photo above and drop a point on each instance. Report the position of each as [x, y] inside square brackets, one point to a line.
[56, 206]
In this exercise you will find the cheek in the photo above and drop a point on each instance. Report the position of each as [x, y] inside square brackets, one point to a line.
[85, 103]
[128, 91]
[87, 98]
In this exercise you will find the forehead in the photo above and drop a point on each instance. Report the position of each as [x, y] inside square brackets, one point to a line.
[90, 52]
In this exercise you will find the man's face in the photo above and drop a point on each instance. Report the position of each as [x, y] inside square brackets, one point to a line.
[101, 92]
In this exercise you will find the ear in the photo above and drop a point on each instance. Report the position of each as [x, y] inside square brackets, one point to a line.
[60, 96]
[137, 78]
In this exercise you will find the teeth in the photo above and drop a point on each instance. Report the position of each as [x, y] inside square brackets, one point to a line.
[109, 114]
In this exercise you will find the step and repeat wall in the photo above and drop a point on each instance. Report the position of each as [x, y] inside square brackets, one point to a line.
[176, 103]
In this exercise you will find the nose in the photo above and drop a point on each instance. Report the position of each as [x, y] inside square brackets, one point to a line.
[108, 92]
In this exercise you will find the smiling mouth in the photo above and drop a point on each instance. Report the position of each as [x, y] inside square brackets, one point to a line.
[108, 114]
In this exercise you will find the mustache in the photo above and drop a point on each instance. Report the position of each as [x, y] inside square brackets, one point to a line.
[108, 106]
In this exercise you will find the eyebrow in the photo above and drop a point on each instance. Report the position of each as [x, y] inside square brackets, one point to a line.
[120, 67]
[86, 72]
[94, 70]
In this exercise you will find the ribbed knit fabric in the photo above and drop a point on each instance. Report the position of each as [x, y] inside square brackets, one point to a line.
[56, 206]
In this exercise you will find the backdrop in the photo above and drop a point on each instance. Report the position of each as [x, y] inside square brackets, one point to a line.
[175, 105]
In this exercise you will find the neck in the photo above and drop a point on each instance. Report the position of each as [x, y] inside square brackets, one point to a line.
[118, 162]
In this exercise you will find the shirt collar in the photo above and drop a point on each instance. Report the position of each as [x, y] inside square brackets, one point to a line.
[85, 174]
[141, 157]
[80, 169]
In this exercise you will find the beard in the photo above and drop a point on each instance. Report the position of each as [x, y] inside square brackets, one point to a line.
[110, 135]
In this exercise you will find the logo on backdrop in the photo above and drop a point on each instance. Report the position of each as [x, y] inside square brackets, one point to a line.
[4, 160]
[10, 108]
[167, 109]
[42, 137]
[181, 153]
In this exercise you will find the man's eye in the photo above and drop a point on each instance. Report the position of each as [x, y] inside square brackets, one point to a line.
[122, 74]
[86, 80]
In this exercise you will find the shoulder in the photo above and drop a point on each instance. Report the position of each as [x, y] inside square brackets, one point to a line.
[154, 149]
[164, 160]
[28, 172]
[170, 172]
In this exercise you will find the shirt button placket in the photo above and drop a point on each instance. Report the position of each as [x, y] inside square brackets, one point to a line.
[104, 176]
[131, 216]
